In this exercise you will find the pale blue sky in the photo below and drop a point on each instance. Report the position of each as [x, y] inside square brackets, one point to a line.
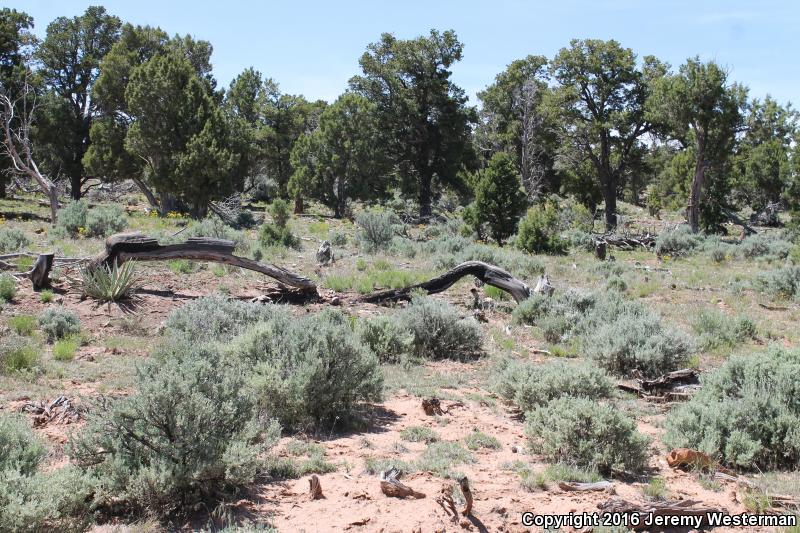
[312, 48]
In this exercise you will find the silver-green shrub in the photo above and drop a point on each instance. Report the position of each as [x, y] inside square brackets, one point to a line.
[375, 229]
[746, 414]
[783, 282]
[587, 434]
[678, 241]
[57, 322]
[529, 385]
[439, 332]
[105, 220]
[717, 330]
[217, 318]
[192, 432]
[387, 339]
[311, 372]
[13, 240]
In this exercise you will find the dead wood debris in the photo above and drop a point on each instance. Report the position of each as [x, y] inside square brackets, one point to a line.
[580, 487]
[673, 386]
[392, 487]
[673, 508]
[59, 411]
[315, 488]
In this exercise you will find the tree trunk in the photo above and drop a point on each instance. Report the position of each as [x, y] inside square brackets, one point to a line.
[298, 205]
[425, 210]
[610, 201]
[3, 186]
[75, 186]
[151, 198]
[693, 209]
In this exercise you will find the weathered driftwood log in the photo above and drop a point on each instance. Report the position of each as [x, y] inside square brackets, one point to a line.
[137, 247]
[674, 508]
[627, 242]
[314, 488]
[578, 487]
[40, 274]
[325, 253]
[489, 274]
[393, 488]
[686, 376]
[677, 385]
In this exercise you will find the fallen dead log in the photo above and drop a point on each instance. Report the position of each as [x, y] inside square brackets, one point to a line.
[489, 274]
[137, 247]
[580, 487]
[674, 508]
[671, 380]
[60, 410]
[391, 487]
[40, 274]
[688, 458]
[626, 242]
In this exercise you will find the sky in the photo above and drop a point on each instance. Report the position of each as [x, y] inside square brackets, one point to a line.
[312, 47]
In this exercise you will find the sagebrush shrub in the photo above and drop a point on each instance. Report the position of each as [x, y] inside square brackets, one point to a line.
[57, 322]
[190, 433]
[270, 235]
[17, 353]
[587, 434]
[215, 227]
[765, 246]
[105, 220]
[539, 230]
[622, 336]
[31, 500]
[72, 217]
[13, 240]
[217, 318]
[439, 332]
[677, 242]
[783, 282]
[8, 287]
[280, 212]
[309, 372]
[440, 457]
[387, 339]
[375, 229]
[717, 330]
[746, 414]
[530, 385]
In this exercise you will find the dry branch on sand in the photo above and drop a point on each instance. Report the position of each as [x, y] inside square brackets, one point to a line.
[390, 486]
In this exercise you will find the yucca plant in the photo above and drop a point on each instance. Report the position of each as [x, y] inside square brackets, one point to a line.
[109, 284]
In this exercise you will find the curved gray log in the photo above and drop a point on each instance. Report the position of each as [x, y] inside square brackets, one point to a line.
[137, 247]
[489, 274]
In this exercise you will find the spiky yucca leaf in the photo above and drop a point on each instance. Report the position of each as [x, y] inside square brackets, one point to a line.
[109, 284]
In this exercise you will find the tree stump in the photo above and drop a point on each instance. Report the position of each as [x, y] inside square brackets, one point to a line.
[391, 487]
[467, 492]
[40, 275]
[600, 250]
[432, 406]
[325, 254]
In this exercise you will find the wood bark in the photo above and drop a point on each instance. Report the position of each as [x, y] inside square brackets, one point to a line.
[467, 492]
[695, 193]
[675, 508]
[580, 487]
[40, 274]
[315, 488]
[489, 274]
[137, 247]
[391, 487]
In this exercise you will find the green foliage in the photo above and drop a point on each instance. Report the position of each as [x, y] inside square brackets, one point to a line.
[110, 284]
[530, 385]
[761, 245]
[72, 217]
[746, 413]
[587, 434]
[621, 335]
[406, 101]
[13, 240]
[23, 325]
[783, 282]
[20, 450]
[419, 434]
[64, 349]
[439, 332]
[278, 233]
[207, 449]
[215, 227]
[57, 323]
[105, 220]
[46, 296]
[679, 241]
[716, 330]
[387, 339]
[217, 318]
[539, 230]
[478, 440]
[17, 353]
[441, 457]
[280, 212]
[375, 229]
[499, 199]
[343, 159]
[309, 372]
[8, 287]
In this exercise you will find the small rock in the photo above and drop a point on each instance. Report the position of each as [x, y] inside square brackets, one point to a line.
[515, 449]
